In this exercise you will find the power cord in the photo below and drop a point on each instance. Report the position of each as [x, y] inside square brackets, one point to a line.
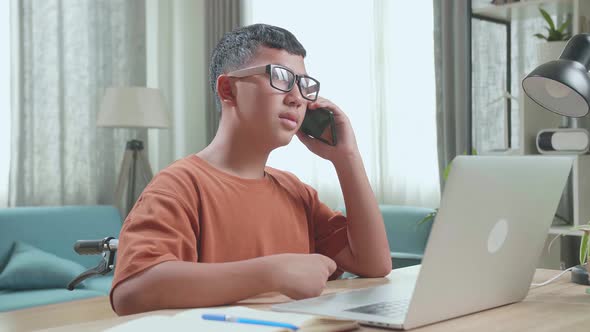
[552, 279]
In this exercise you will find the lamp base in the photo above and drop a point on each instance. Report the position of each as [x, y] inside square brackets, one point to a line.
[563, 141]
[580, 275]
[134, 163]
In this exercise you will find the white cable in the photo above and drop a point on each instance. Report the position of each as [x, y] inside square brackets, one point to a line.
[552, 279]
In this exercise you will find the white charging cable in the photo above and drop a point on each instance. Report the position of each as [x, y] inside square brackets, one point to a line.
[552, 279]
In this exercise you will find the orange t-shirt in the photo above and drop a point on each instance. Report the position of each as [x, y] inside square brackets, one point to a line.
[193, 212]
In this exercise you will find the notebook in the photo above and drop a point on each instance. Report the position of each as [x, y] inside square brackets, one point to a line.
[190, 320]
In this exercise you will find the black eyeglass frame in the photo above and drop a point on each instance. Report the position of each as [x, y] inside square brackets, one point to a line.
[267, 69]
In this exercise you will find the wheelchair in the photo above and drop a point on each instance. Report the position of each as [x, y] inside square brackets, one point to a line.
[106, 247]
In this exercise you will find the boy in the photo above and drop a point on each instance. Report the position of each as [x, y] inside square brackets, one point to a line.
[219, 226]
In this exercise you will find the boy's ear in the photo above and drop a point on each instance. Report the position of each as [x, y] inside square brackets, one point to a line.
[224, 90]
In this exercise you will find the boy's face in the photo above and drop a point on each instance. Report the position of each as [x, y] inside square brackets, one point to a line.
[270, 116]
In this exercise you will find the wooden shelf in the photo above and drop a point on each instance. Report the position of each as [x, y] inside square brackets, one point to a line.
[524, 9]
[564, 230]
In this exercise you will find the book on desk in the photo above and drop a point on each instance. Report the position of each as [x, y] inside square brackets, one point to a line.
[191, 320]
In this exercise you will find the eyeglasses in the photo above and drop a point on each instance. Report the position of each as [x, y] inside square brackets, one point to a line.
[283, 79]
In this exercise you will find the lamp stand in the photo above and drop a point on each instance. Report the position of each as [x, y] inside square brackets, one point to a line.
[134, 162]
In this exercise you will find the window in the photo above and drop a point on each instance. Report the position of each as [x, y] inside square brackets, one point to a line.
[375, 60]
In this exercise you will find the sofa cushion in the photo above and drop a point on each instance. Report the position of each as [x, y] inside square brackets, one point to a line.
[31, 268]
[13, 300]
[55, 229]
[407, 237]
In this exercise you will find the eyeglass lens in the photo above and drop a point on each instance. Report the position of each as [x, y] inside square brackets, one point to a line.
[283, 79]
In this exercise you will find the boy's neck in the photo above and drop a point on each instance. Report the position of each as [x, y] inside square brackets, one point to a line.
[236, 156]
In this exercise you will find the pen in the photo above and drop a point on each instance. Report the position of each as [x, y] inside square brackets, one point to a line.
[228, 318]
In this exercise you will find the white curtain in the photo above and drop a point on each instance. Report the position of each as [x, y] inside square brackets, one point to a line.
[5, 65]
[375, 59]
[177, 63]
[69, 51]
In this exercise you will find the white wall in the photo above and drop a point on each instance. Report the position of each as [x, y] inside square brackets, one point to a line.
[177, 64]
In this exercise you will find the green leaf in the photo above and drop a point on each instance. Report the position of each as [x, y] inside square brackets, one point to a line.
[554, 36]
[547, 18]
[564, 25]
[448, 168]
[447, 171]
[428, 217]
[473, 152]
[584, 248]
[553, 240]
[557, 36]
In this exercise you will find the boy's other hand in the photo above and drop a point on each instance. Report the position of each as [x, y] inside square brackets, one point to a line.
[300, 276]
[346, 141]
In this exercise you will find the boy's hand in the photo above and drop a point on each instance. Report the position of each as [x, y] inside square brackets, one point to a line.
[301, 276]
[346, 142]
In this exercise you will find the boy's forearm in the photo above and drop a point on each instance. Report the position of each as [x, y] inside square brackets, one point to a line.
[366, 231]
[177, 284]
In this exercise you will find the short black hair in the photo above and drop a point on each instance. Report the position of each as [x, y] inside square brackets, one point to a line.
[238, 46]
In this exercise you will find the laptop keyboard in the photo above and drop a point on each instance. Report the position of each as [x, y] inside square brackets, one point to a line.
[387, 308]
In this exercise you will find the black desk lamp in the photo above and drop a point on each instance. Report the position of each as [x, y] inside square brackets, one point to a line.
[562, 86]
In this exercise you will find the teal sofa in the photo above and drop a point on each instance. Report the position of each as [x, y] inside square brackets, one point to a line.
[406, 235]
[37, 255]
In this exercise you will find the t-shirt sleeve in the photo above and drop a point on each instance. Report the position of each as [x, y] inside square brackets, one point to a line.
[329, 226]
[160, 227]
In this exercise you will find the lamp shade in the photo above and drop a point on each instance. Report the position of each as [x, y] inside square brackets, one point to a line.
[563, 86]
[133, 107]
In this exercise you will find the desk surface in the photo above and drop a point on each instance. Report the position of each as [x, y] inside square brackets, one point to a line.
[560, 305]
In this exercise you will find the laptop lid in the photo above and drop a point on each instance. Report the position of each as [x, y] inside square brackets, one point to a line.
[488, 235]
[483, 247]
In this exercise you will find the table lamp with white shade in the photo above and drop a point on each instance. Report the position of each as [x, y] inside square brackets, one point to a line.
[132, 107]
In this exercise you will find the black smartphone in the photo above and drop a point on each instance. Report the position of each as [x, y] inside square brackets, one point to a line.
[319, 124]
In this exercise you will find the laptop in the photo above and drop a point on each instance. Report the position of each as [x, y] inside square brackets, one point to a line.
[482, 252]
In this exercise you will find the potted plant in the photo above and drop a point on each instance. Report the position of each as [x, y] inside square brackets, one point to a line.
[585, 248]
[556, 38]
[580, 274]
